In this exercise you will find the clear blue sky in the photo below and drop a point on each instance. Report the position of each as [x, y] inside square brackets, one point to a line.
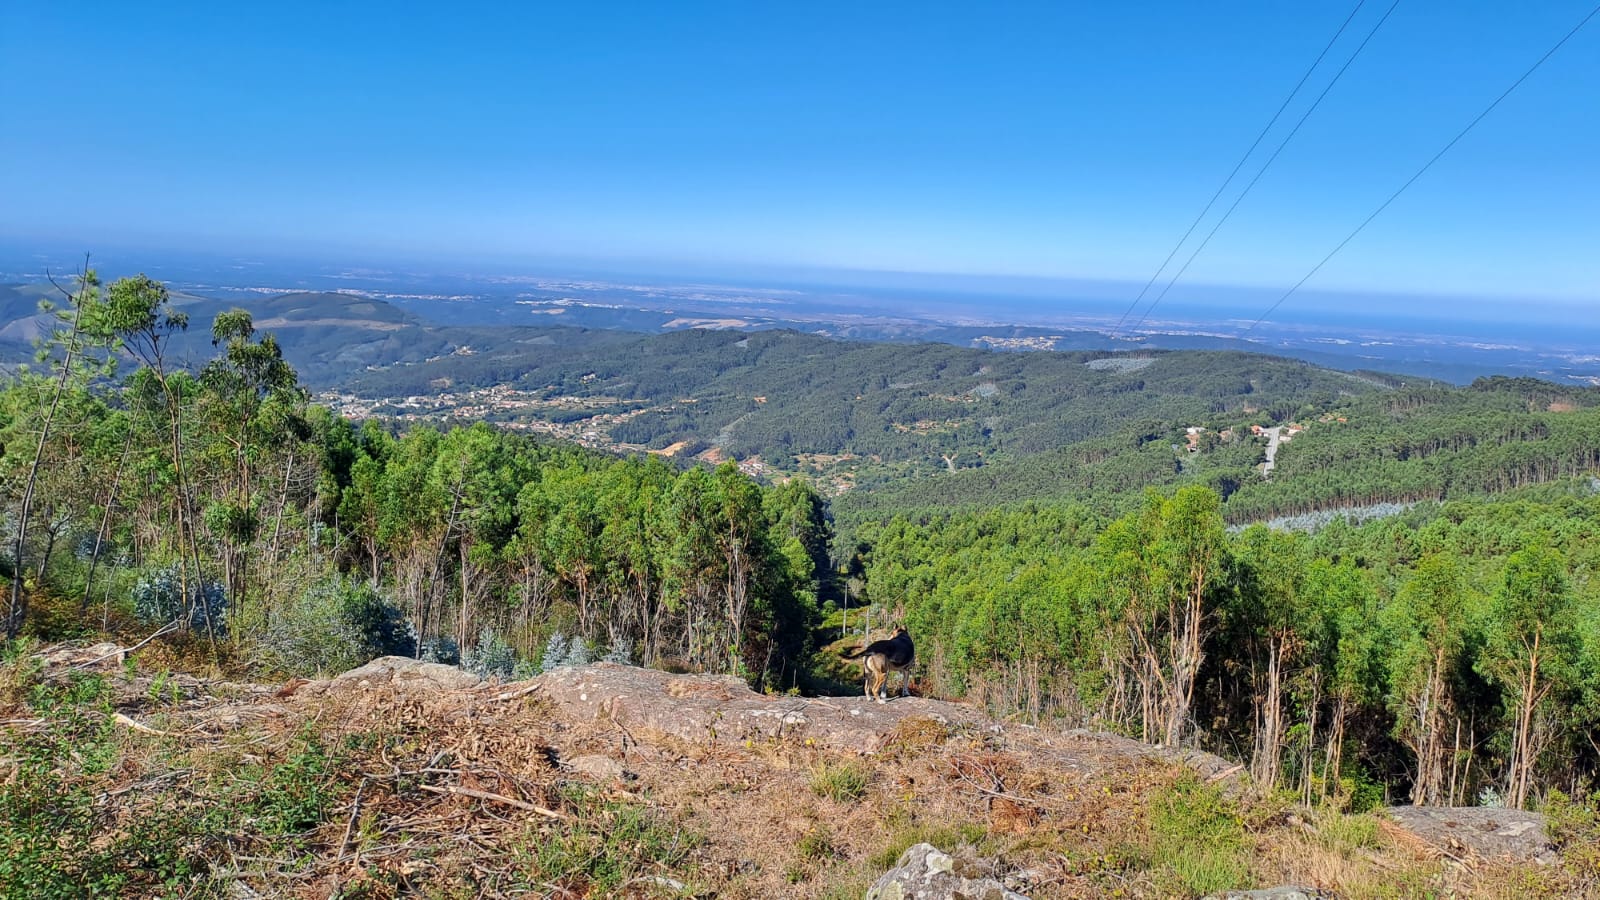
[1053, 139]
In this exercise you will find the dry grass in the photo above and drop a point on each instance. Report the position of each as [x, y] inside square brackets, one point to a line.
[457, 794]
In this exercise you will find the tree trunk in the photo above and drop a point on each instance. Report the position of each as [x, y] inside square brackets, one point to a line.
[17, 610]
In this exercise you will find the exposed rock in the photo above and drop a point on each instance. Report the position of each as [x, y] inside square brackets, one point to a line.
[722, 709]
[102, 656]
[1484, 831]
[398, 673]
[1214, 769]
[600, 768]
[926, 873]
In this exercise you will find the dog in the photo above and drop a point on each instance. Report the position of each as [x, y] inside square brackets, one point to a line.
[879, 658]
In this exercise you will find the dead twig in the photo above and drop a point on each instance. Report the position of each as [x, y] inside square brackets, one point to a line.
[496, 798]
[355, 810]
[121, 719]
[512, 695]
[1219, 776]
[124, 651]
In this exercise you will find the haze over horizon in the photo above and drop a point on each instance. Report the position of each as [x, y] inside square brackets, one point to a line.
[1026, 147]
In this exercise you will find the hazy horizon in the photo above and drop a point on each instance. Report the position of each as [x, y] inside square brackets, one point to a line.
[1036, 143]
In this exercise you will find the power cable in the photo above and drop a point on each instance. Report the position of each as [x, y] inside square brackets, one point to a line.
[1426, 166]
[1266, 165]
[1410, 181]
[1240, 164]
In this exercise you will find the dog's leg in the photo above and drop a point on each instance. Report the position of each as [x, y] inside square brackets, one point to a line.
[905, 682]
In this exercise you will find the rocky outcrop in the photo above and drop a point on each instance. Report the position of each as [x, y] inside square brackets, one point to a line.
[722, 709]
[400, 674]
[926, 873]
[1487, 832]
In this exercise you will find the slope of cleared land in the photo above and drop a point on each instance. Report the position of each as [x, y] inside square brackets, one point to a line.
[412, 779]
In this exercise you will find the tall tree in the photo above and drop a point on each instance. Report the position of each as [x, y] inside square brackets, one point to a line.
[140, 314]
[1531, 647]
[1429, 626]
[65, 350]
[254, 405]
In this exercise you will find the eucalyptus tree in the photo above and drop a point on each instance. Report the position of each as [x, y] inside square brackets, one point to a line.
[1429, 626]
[140, 314]
[1275, 604]
[1532, 647]
[1161, 567]
[68, 352]
[1348, 648]
[254, 409]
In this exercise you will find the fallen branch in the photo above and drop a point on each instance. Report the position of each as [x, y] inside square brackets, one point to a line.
[497, 798]
[1219, 776]
[121, 719]
[124, 651]
[512, 695]
[355, 810]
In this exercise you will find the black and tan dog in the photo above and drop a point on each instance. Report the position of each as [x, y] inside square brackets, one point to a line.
[879, 658]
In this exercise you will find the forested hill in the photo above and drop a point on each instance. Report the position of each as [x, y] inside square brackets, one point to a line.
[1411, 443]
[849, 412]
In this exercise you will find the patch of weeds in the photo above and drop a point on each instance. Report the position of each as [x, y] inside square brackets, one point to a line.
[58, 838]
[946, 837]
[19, 671]
[296, 794]
[1196, 839]
[852, 886]
[1346, 834]
[844, 782]
[164, 689]
[1575, 830]
[606, 847]
[817, 844]
[915, 734]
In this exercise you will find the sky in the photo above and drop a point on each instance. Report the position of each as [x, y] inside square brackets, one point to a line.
[1037, 140]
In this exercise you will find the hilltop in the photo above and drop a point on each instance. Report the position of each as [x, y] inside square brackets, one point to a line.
[404, 778]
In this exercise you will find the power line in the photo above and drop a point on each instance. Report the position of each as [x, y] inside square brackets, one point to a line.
[1240, 164]
[1415, 176]
[1267, 165]
[1426, 166]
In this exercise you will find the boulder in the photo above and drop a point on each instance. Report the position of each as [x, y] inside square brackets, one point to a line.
[400, 674]
[926, 873]
[1488, 832]
[100, 656]
[713, 709]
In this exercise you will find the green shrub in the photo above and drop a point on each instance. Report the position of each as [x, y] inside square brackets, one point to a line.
[297, 793]
[333, 626]
[1575, 830]
[1197, 839]
[491, 658]
[159, 598]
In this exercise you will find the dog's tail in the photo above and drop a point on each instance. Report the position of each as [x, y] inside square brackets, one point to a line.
[857, 654]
